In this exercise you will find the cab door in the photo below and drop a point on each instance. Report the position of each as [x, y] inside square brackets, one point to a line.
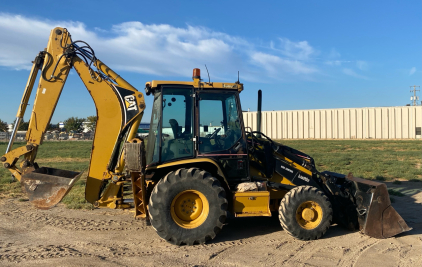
[221, 134]
[171, 133]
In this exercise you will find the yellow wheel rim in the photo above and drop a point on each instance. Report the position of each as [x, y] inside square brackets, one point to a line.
[189, 209]
[309, 215]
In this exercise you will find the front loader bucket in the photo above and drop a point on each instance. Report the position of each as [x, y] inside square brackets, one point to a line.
[376, 216]
[46, 187]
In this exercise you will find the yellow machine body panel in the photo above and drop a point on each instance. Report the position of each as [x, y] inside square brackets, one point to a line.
[277, 178]
[189, 162]
[108, 127]
[253, 203]
[48, 92]
[202, 85]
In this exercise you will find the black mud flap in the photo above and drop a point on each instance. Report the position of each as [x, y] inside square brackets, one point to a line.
[45, 187]
[377, 218]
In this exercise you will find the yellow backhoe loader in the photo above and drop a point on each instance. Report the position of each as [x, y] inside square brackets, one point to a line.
[200, 162]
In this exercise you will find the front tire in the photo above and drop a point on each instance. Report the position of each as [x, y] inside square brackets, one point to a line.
[188, 206]
[305, 213]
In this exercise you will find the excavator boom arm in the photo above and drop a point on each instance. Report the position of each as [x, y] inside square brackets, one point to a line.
[119, 111]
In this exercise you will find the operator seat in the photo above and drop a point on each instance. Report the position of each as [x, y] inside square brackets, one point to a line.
[175, 128]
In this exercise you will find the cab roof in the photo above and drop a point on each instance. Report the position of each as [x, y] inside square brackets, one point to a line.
[202, 85]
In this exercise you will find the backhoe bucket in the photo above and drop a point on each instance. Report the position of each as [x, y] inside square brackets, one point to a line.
[376, 217]
[46, 187]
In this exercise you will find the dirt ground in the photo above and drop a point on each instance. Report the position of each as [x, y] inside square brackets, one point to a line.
[63, 237]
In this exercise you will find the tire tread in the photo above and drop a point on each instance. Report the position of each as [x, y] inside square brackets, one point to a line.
[287, 212]
[164, 185]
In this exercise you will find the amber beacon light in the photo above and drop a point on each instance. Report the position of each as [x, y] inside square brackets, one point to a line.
[196, 74]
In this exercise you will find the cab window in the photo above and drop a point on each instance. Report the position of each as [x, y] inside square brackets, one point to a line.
[219, 124]
[177, 124]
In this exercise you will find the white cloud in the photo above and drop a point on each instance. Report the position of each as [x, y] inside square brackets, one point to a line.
[158, 49]
[412, 71]
[333, 62]
[352, 73]
[279, 66]
[333, 54]
[362, 65]
[336, 62]
[294, 50]
[98, 29]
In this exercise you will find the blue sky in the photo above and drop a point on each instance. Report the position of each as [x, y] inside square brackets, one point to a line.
[302, 54]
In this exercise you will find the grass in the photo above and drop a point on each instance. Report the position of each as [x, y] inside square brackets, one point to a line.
[384, 160]
[75, 199]
[66, 155]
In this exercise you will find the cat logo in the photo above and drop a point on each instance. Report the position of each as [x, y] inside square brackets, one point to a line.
[130, 103]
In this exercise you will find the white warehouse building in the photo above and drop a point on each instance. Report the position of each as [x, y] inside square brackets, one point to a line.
[403, 122]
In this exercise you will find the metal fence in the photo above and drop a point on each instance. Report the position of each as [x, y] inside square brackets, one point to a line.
[5, 136]
[20, 136]
[349, 123]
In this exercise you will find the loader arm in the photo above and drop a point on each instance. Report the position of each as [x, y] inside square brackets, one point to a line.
[119, 110]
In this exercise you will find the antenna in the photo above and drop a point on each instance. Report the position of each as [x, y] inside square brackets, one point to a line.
[209, 80]
[238, 77]
[414, 98]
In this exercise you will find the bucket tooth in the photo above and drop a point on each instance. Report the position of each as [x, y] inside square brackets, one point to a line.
[45, 187]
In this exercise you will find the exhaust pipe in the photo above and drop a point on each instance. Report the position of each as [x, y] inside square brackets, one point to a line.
[258, 120]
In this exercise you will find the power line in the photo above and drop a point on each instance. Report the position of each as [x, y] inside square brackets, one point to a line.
[414, 98]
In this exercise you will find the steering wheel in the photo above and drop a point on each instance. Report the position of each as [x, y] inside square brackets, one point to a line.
[214, 133]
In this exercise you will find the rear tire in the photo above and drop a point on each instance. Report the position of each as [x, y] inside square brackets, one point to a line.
[305, 213]
[188, 206]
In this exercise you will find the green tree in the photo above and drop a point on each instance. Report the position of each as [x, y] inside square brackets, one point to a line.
[73, 124]
[51, 127]
[23, 126]
[92, 122]
[3, 126]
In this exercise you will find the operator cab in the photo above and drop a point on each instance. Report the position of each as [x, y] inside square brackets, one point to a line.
[196, 119]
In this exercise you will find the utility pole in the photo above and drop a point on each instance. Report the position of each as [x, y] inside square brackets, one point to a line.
[414, 97]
